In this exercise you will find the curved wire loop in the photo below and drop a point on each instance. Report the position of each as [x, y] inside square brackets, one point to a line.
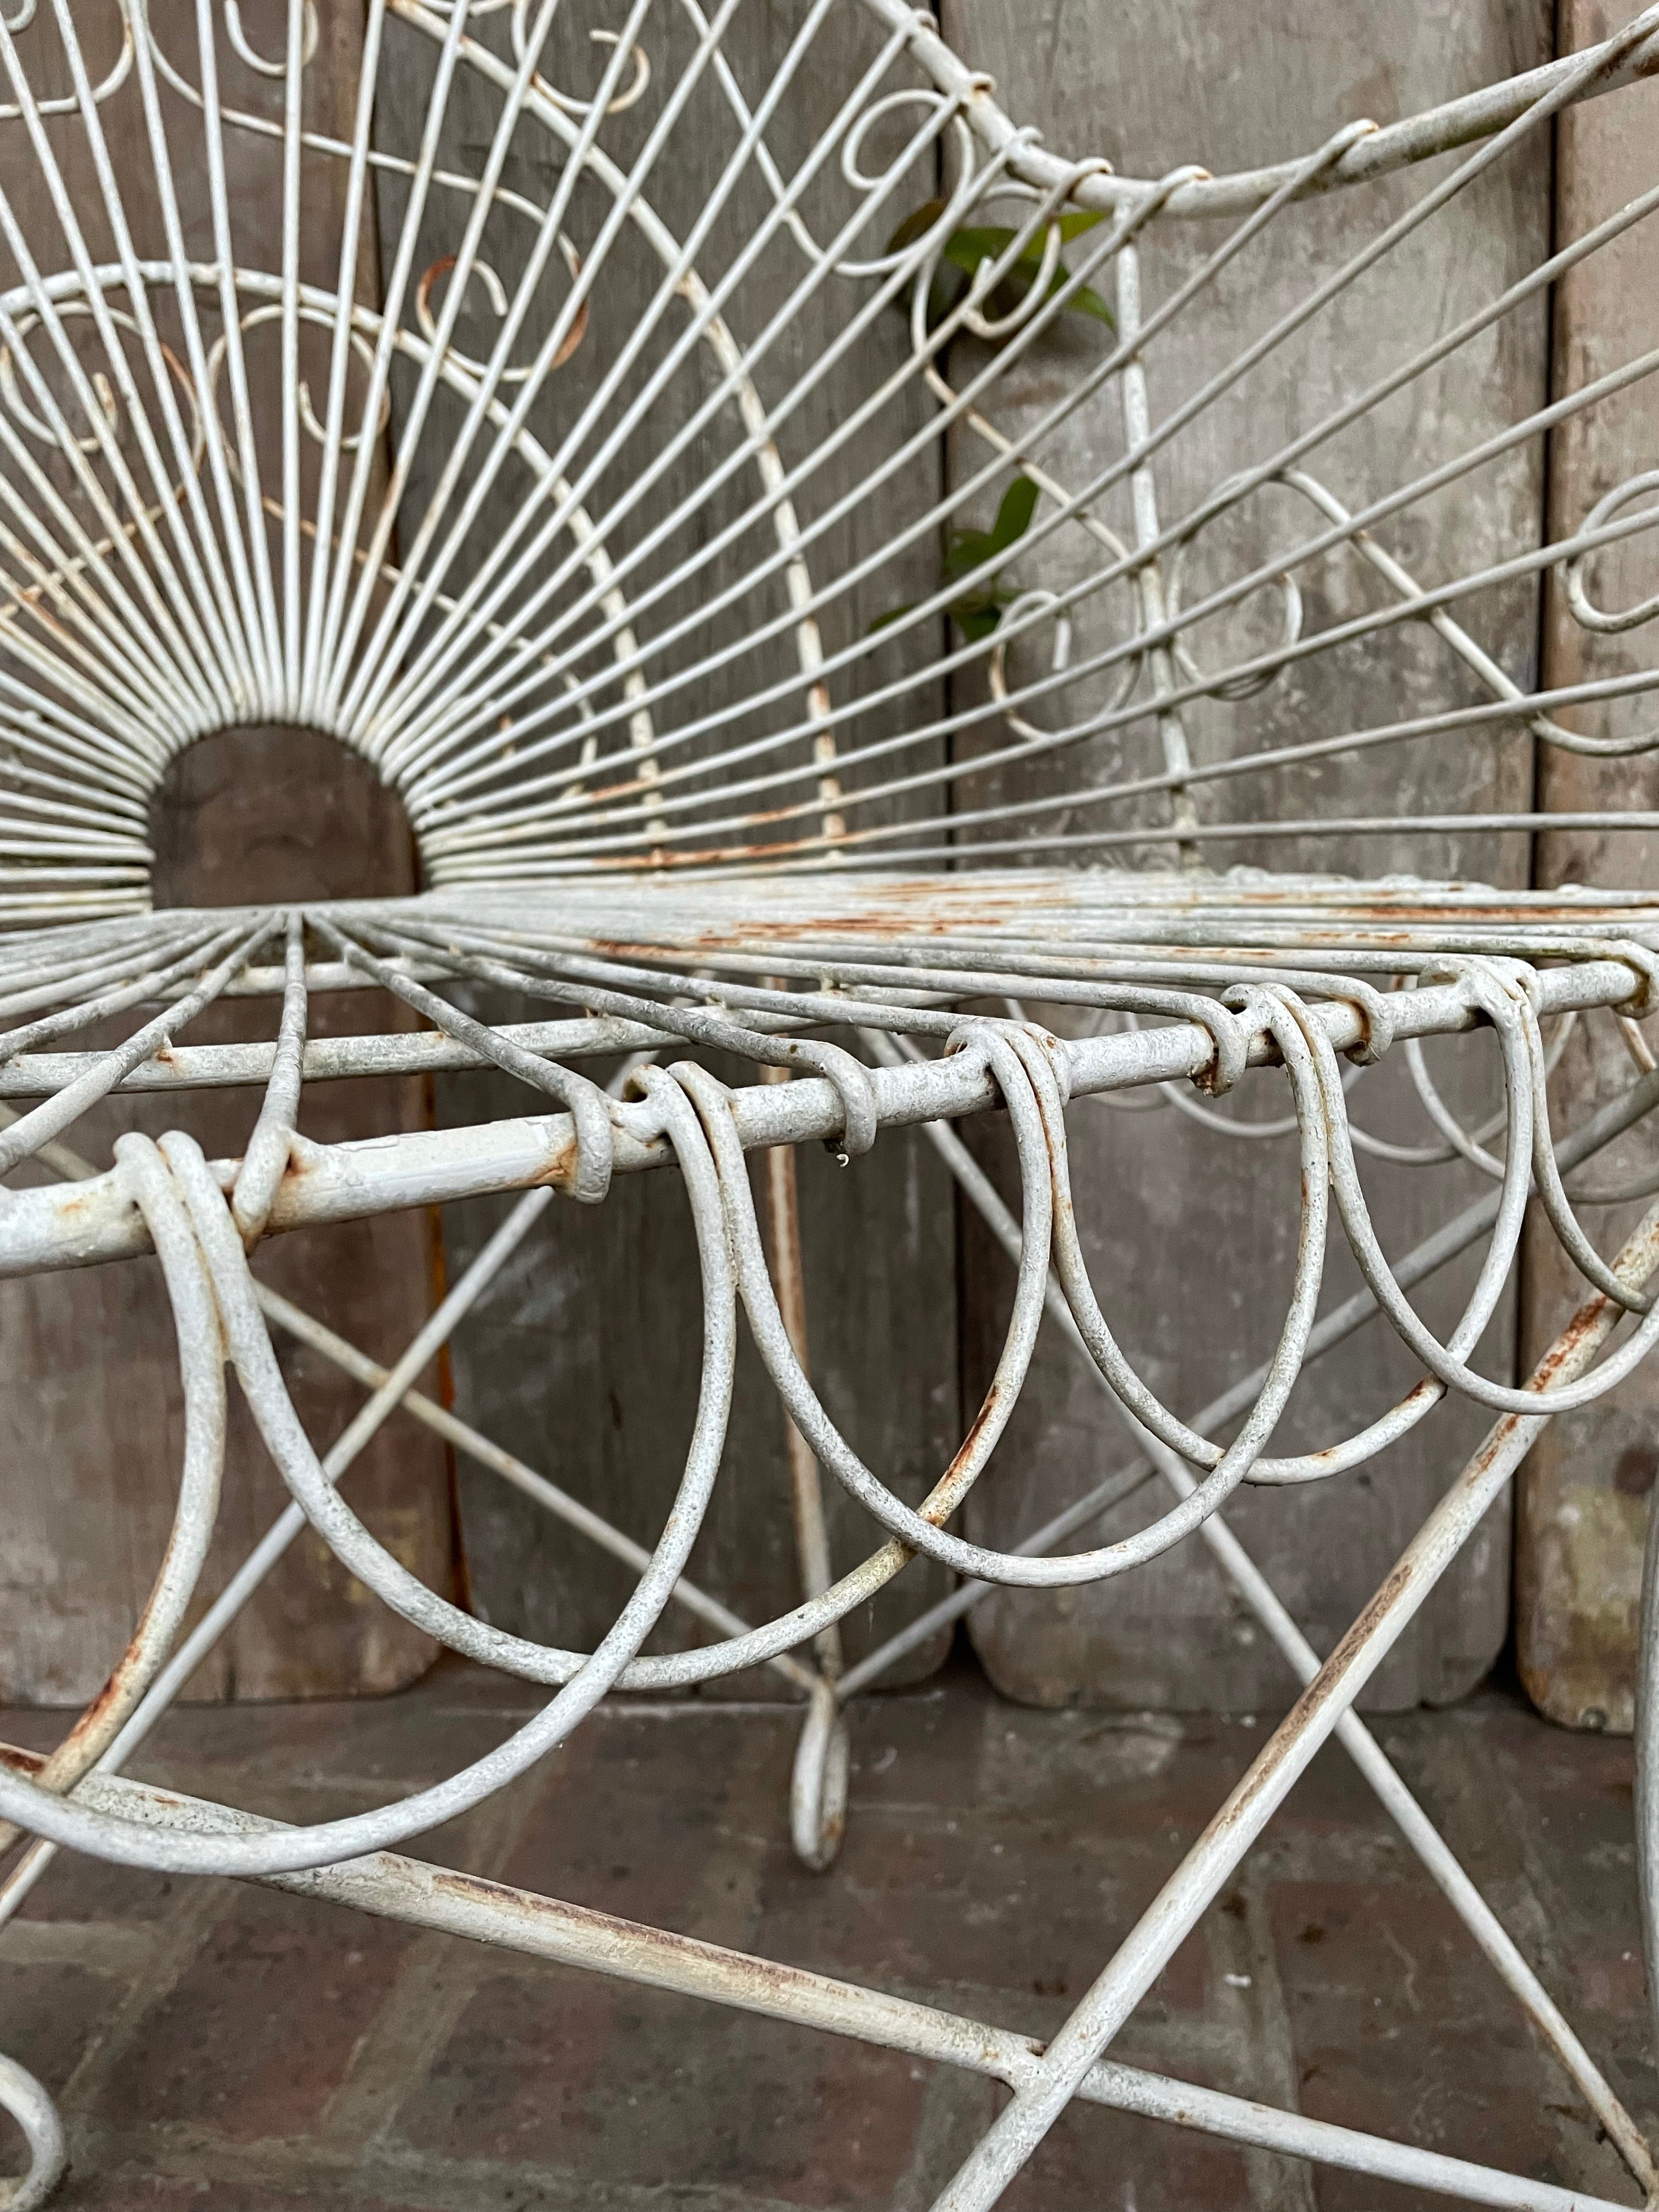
[818, 1780]
[201, 1366]
[35, 2113]
[128, 1842]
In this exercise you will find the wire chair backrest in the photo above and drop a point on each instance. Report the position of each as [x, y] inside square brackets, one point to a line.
[705, 436]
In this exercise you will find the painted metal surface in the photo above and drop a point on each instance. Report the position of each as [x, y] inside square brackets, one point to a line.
[693, 812]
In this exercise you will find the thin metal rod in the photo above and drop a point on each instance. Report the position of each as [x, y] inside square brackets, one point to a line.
[1356, 1738]
[44, 1228]
[1008, 2144]
[422, 1895]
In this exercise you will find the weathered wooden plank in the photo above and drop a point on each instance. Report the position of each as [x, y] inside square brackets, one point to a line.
[88, 1384]
[582, 1357]
[1189, 1235]
[90, 1412]
[1586, 1490]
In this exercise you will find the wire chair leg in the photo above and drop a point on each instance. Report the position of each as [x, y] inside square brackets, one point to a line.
[818, 1787]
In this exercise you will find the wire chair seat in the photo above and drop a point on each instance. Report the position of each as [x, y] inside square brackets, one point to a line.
[839, 587]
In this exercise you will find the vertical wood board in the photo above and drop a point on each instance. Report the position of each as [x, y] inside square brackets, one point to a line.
[1586, 1489]
[583, 1356]
[1190, 1236]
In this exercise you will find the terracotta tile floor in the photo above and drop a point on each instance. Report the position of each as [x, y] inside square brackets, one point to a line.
[229, 2048]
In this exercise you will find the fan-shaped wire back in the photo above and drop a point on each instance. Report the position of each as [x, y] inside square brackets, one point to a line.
[660, 505]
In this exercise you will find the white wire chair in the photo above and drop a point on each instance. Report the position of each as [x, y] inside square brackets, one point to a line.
[731, 506]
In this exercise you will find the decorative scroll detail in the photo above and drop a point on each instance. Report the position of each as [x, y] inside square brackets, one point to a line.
[22, 18]
[1579, 604]
[638, 85]
[496, 292]
[258, 63]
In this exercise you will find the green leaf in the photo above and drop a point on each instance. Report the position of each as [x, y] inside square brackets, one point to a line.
[1086, 301]
[967, 550]
[892, 615]
[973, 244]
[977, 613]
[965, 249]
[974, 620]
[1014, 514]
[948, 283]
[915, 225]
[968, 247]
[970, 549]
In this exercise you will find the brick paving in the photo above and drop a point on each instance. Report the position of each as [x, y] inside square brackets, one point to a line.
[228, 2049]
